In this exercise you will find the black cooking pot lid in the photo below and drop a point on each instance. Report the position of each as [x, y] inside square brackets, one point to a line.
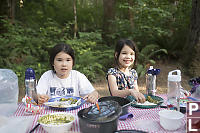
[108, 110]
[122, 101]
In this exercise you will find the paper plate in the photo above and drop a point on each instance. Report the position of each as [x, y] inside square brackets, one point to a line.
[157, 98]
[55, 103]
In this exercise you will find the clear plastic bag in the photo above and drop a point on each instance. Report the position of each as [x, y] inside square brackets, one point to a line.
[9, 92]
[15, 124]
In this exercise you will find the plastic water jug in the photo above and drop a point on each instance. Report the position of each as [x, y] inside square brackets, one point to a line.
[174, 86]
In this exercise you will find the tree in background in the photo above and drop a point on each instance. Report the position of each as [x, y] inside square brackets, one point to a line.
[154, 25]
[75, 20]
[108, 17]
[193, 44]
[131, 15]
[7, 11]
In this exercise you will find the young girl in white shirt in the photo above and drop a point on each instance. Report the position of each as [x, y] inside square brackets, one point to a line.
[62, 80]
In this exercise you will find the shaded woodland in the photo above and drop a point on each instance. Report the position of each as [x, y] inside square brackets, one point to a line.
[162, 30]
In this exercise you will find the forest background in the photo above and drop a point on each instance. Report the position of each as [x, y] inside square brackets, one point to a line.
[164, 31]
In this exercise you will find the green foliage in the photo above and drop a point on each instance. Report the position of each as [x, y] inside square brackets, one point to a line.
[87, 64]
[150, 20]
[105, 57]
[160, 28]
[164, 23]
[27, 47]
[36, 13]
[88, 57]
[23, 47]
[146, 57]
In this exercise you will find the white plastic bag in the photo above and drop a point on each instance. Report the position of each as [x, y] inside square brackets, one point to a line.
[9, 91]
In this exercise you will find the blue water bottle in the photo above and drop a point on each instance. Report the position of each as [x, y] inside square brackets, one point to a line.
[30, 83]
[151, 80]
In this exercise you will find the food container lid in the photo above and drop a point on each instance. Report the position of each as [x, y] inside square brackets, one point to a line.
[120, 100]
[109, 110]
[123, 102]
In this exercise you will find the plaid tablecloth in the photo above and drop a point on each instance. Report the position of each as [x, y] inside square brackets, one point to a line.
[143, 119]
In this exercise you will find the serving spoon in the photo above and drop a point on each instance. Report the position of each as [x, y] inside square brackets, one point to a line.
[32, 130]
[77, 102]
[98, 107]
[134, 102]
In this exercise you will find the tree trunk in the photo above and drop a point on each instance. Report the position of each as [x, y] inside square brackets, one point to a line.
[75, 21]
[3, 8]
[11, 12]
[108, 17]
[193, 45]
[131, 16]
[7, 10]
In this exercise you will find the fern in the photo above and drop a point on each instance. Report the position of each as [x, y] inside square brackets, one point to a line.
[146, 56]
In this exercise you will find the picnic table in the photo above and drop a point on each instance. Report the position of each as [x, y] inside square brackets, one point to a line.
[143, 119]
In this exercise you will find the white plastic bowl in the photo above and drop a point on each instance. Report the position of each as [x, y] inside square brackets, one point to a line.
[171, 119]
[58, 128]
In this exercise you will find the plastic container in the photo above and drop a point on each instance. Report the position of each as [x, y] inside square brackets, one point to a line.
[171, 119]
[9, 92]
[174, 86]
[30, 84]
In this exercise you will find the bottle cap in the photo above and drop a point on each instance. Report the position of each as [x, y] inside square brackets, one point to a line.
[176, 77]
[151, 67]
[29, 73]
[153, 71]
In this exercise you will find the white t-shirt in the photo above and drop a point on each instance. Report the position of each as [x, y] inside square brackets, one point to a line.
[76, 84]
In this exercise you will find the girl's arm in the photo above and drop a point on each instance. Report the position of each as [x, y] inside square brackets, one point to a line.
[114, 88]
[42, 99]
[92, 97]
[86, 89]
[42, 87]
[136, 85]
[123, 93]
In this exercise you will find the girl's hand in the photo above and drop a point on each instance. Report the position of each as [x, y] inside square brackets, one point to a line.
[92, 97]
[42, 99]
[138, 96]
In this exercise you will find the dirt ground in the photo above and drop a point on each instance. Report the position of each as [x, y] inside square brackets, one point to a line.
[161, 79]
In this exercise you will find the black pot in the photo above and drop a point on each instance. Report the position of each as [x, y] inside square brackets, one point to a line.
[106, 125]
[121, 101]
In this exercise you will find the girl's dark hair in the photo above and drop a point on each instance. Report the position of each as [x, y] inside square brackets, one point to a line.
[61, 47]
[120, 44]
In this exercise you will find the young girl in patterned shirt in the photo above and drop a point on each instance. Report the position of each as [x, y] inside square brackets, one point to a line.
[122, 80]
